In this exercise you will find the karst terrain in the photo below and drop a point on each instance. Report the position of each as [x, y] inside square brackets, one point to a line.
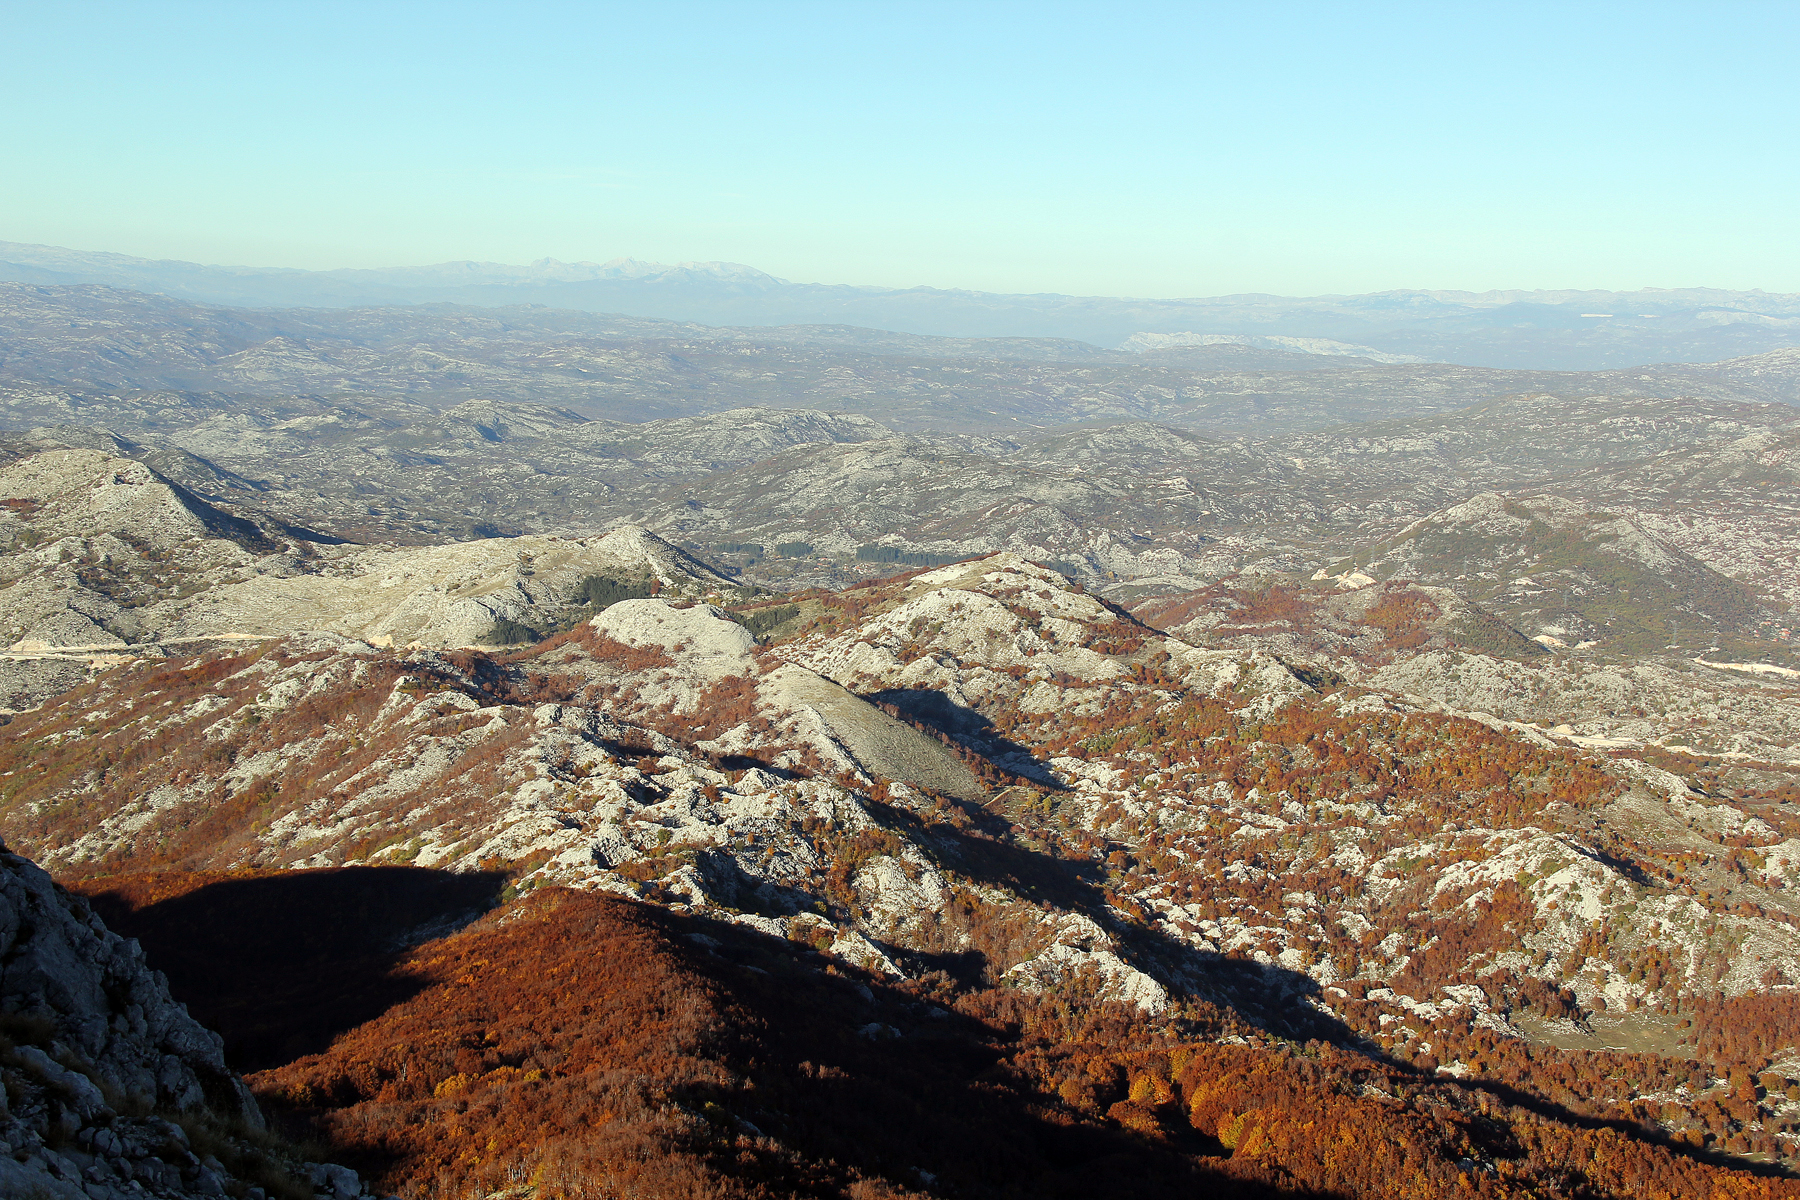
[519, 752]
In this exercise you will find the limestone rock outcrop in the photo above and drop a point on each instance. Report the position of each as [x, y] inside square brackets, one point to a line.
[102, 556]
[441, 595]
[110, 1088]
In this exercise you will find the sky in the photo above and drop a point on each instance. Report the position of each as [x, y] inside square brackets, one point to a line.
[1105, 149]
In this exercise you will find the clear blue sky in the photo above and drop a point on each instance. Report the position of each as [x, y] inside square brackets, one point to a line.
[1121, 149]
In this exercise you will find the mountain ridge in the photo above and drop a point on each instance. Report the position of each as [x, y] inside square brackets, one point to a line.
[1552, 329]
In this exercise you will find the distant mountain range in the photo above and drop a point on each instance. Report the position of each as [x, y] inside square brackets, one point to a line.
[1541, 330]
[98, 341]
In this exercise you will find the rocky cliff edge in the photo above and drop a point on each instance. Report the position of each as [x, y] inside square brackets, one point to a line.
[108, 1088]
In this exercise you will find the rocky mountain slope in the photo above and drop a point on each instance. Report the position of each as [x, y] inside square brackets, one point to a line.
[1436, 648]
[790, 499]
[1561, 570]
[427, 426]
[111, 1089]
[1526, 439]
[699, 1054]
[981, 771]
[1100, 498]
[105, 559]
[1736, 505]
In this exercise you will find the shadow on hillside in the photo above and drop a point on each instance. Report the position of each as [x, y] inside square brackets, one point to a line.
[1644, 1131]
[855, 1070]
[940, 714]
[722, 762]
[868, 1074]
[280, 964]
[726, 878]
[1270, 999]
[990, 852]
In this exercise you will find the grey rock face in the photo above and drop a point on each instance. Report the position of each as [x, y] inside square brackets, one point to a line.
[101, 559]
[61, 966]
[90, 1042]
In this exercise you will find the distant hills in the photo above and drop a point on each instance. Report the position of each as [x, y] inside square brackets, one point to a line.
[103, 339]
[1538, 330]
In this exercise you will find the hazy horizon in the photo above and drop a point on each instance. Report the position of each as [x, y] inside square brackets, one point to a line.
[1146, 151]
[690, 263]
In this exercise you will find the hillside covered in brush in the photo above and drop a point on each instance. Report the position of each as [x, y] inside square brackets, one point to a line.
[571, 1045]
[979, 788]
